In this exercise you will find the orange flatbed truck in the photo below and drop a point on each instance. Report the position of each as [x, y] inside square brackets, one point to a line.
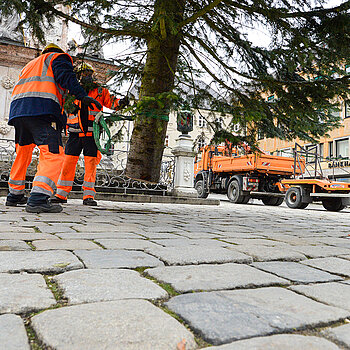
[334, 195]
[242, 174]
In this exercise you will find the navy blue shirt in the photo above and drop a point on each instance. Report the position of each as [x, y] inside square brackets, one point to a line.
[34, 106]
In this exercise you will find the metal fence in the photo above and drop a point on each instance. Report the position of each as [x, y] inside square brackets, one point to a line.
[110, 176]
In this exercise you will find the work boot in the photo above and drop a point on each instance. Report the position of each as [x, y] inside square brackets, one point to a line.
[90, 202]
[12, 201]
[58, 200]
[43, 208]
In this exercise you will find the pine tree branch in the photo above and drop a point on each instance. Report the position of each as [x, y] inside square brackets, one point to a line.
[216, 78]
[200, 13]
[281, 12]
[212, 52]
[99, 29]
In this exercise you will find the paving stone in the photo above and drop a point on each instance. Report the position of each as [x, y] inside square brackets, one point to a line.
[100, 227]
[98, 235]
[296, 272]
[335, 241]
[181, 242]
[321, 251]
[159, 235]
[340, 334]
[131, 244]
[213, 277]
[199, 235]
[279, 342]
[15, 229]
[124, 325]
[108, 259]
[259, 253]
[13, 335]
[225, 316]
[12, 244]
[256, 241]
[333, 265]
[188, 255]
[26, 236]
[92, 285]
[22, 293]
[34, 261]
[65, 244]
[56, 229]
[335, 294]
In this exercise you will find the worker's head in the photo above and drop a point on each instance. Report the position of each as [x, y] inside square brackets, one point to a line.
[51, 48]
[85, 69]
[85, 72]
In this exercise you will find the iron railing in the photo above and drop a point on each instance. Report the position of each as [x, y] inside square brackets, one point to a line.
[110, 176]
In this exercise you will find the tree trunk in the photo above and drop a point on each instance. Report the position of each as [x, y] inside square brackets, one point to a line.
[147, 140]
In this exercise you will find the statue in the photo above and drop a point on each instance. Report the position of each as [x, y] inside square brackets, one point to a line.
[9, 27]
[184, 121]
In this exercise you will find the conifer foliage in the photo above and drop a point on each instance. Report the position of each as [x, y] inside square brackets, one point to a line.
[286, 88]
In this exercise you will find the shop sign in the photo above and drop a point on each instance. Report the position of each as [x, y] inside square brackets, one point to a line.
[339, 164]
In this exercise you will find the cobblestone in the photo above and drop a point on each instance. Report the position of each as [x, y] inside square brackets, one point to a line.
[23, 293]
[88, 286]
[13, 335]
[165, 264]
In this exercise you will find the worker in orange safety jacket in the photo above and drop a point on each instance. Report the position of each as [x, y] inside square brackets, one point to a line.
[80, 128]
[36, 113]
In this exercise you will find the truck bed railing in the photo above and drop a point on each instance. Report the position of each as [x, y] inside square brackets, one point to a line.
[312, 167]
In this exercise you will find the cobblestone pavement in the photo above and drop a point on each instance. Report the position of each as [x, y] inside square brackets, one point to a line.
[145, 276]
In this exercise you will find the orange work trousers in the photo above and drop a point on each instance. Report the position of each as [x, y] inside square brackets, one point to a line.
[92, 156]
[42, 132]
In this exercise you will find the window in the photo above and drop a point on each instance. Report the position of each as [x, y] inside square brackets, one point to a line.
[321, 150]
[330, 149]
[342, 148]
[166, 142]
[347, 109]
[285, 152]
[201, 121]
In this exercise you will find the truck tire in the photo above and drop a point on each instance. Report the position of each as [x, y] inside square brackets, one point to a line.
[235, 194]
[201, 190]
[273, 201]
[294, 200]
[333, 204]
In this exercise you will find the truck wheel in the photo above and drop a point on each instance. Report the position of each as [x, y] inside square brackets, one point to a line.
[202, 192]
[333, 204]
[273, 201]
[293, 199]
[246, 199]
[235, 194]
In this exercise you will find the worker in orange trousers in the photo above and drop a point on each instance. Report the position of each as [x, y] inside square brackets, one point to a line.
[36, 114]
[80, 128]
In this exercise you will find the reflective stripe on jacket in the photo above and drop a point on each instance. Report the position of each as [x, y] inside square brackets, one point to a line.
[37, 92]
[103, 96]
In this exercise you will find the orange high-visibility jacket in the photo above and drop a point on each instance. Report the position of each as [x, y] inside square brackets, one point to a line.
[37, 92]
[103, 96]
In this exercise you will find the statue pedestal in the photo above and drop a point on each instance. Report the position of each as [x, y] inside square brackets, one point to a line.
[184, 167]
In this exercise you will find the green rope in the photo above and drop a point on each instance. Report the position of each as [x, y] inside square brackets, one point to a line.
[100, 124]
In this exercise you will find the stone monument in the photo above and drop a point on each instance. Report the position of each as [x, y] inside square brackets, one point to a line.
[184, 157]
